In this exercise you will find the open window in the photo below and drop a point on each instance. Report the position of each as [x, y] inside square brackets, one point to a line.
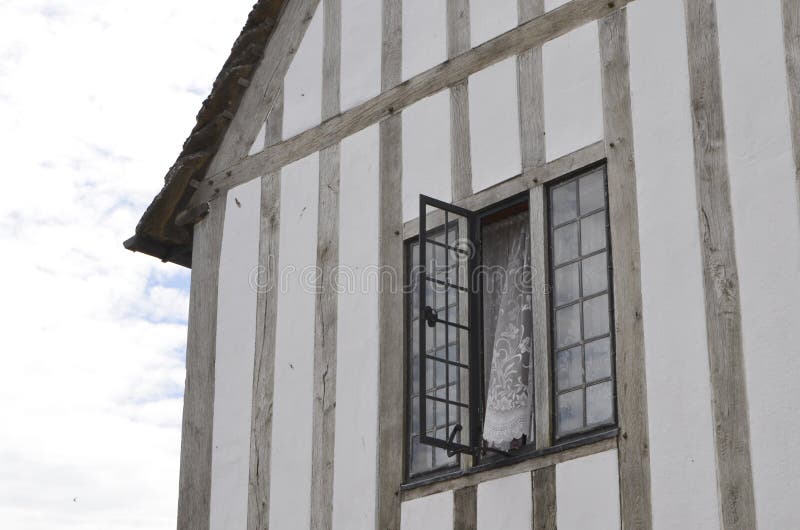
[471, 325]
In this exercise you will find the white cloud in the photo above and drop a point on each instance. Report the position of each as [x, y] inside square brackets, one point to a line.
[96, 98]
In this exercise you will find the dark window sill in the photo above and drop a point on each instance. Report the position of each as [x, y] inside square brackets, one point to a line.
[500, 462]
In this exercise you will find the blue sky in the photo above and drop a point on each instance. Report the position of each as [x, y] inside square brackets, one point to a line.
[96, 98]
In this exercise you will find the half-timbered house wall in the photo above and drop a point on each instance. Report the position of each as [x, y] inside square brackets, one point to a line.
[294, 415]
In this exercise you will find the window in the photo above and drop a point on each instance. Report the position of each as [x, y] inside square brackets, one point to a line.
[470, 326]
[581, 304]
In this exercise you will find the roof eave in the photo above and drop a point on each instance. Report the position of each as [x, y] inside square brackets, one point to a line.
[157, 234]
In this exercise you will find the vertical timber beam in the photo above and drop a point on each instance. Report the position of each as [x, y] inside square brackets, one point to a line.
[634, 453]
[465, 508]
[544, 498]
[530, 77]
[266, 322]
[458, 42]
[791, 40]
[327, 298]
[194, 496]
[720, 275]
[391, 400]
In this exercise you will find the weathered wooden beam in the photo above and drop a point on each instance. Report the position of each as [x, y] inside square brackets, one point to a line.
[391, 372]
[532, 141]
[265, 84]
[324, 411]
[194, 494]
[530, 82]
[266, 327]
[530, 76]
[720, 275]
[525, 466]
[398, 96]
[536, 176]
[544, 498]
[540, 304]
[465, 508]
[791, 40]
[634, 453]
[458, 42]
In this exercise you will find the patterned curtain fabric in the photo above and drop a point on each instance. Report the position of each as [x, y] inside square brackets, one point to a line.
[507, 421]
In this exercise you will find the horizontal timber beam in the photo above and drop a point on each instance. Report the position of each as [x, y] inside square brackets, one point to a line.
[580, 159]
[556, 456]
[536, 32]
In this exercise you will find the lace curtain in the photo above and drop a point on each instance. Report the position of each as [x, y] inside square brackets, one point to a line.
[508, 300]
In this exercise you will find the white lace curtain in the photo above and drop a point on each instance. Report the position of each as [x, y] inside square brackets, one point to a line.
[507, 286]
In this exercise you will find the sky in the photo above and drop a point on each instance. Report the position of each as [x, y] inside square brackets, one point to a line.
[96, 99]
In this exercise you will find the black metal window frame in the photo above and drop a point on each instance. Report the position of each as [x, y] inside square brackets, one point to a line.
[429, 317]
[481, 459]
[550, 227]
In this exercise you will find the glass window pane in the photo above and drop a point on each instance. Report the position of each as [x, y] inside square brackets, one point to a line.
[593, 233]
[452, 391]
[567, 285]
[415, 337]
[414, 415]
[569, 368]
[595, 274]
[455, 417]
[452, 349]
[452, 312]
[420, 456]
[441, 414]
[595, 316]
[582, 326]
[568, 326]
[415, 375]
[570, 412]
[598, 359]
[565, 243]
[564, 203]
[439, 292]
[441, 374]
[592, 194]
[430, 338]
[599, 404]
[430, 414]
[429, 375]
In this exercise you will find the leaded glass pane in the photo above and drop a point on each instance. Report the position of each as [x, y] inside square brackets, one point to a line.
[581, 304]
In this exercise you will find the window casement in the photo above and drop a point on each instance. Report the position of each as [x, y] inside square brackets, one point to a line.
[470, 326]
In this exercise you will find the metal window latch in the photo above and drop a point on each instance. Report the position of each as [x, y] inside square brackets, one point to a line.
[430, 316]
[450, 452]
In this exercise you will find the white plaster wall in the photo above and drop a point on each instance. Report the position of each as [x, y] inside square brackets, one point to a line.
[573, 107]
[426, 152]
[236, 332]
[552, 4]
[290, 473]
[587, 493]
[361, 51]
[424, 35]
[490, 18]
[682, 455]
[355, 450]
[765, 218]
[494, 124]
[428, 513]
[506, 503]
[302, 86]
[260, 141]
